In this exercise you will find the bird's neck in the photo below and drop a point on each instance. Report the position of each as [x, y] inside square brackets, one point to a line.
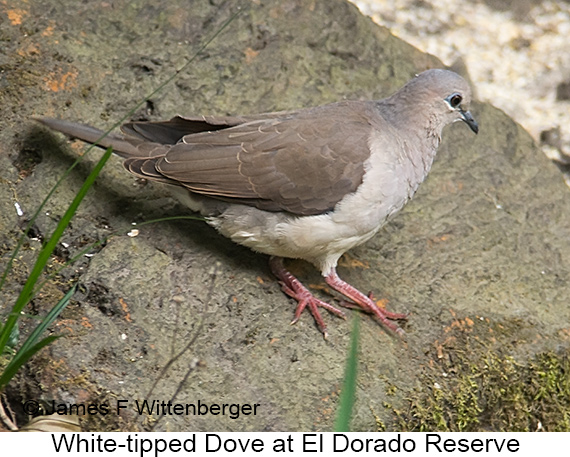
[420, 132]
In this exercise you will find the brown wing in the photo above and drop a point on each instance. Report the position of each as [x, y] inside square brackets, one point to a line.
[173, 130]
[303, 162]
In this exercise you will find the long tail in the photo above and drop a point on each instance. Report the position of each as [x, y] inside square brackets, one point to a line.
[89, 134]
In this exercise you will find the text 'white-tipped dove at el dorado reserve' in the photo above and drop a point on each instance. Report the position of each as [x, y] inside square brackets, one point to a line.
[308, 184]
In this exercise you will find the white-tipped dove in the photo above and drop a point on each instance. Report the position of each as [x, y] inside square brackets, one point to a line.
[308, 184]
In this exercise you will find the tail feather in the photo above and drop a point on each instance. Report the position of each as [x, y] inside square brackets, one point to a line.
[92, 135]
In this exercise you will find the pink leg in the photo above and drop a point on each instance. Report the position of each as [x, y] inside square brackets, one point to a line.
[293, 287]
[365, 302]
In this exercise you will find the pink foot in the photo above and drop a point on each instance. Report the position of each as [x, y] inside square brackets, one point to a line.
[366, 303]
[295, 289]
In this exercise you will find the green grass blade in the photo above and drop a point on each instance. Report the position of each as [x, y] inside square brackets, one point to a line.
[348, 393]
[72, 260]
[46, 321]
[33, 220]
[91, 147]
[16, 364]
[88, 248]
[30, 287]
[12, 340]
[45, 253]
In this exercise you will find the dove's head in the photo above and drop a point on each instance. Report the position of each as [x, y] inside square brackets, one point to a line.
[440, 96]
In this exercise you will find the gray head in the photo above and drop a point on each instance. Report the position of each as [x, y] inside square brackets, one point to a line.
[443, 94]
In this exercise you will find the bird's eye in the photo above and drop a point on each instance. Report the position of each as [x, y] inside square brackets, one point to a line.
[455, 100]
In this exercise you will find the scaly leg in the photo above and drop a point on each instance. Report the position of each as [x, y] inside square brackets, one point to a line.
[295, 289]
[365, 302]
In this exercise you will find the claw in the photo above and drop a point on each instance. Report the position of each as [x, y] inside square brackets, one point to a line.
[366, 303]
[295, 289]
[356, 299]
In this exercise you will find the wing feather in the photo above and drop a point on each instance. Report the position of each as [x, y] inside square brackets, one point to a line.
[303, 162]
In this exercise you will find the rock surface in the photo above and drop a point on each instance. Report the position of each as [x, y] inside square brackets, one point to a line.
[486, 237]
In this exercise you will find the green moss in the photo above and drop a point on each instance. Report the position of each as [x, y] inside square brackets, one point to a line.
[474, 382]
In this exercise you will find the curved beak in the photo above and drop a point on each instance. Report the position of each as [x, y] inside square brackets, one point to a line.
[468, 119]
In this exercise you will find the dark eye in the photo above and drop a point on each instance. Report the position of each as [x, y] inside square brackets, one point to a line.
[455, 100]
